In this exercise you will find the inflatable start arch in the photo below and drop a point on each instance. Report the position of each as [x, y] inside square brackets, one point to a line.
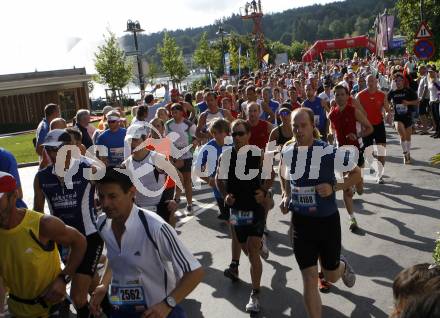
[338, 44]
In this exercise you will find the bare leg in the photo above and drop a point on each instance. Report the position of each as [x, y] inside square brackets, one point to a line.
[312, 299]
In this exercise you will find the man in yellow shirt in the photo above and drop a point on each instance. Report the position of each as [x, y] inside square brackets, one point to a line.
[30, 263]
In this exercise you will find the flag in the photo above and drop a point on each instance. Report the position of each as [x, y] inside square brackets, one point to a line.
[239, 61]
[386, 31]
[266, 59]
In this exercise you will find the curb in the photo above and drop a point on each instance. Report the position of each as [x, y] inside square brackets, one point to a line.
[28, 164]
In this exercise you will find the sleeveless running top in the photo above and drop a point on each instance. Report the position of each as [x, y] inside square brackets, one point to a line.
[344, 122]
[304, 198]
[373, 104]
[210, 117]
[281, 140]
[260, 134]
[26, 265]
[75, 207]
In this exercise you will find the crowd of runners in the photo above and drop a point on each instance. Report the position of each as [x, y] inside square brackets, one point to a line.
[113, 192]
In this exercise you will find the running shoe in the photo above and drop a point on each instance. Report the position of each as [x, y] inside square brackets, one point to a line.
[264, 251]
[189, 209]
[380, 180]
[323, 285]
[232, 273]
[349, 276]
[253, 306]
[408, 160]
[353, 224]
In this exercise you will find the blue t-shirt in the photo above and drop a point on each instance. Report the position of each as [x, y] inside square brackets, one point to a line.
[304, 198]
[210, 160]
[114, 141]
[42, 131]
[202, 106]
[273, 105]
[8, 164]
[319, 111]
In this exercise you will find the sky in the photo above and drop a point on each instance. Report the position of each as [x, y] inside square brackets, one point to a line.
[55, 34]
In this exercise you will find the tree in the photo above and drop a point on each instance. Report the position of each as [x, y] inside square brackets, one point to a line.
[206, 55]
[153, 70]
[111, 64]
[172, 59]
[298, 49]
[409, 19]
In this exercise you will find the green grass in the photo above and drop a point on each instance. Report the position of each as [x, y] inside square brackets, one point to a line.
[22, 148]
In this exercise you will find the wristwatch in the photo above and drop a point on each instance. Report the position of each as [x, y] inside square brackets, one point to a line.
[171, 302]
[65, 277]
[334, 188]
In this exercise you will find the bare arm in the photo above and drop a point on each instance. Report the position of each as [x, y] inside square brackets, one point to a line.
[325, 105]
[53, 229]
[268, 110]
[200, 126]
[274, 134]
[228, 116]
[367, 127]
[38, 196]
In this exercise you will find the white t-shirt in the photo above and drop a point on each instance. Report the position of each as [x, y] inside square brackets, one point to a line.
[186, 130]
[326, 97]
[155, 262]
[151, 181]
[434, 92]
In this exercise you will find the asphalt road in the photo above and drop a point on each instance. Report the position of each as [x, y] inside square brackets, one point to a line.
[398, 221]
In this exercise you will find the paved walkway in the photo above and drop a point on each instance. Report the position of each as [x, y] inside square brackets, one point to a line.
[399, 221]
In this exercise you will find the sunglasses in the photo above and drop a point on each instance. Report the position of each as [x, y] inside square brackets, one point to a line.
[284, 113]
[112, 121]
[51, 148]
[238, 134]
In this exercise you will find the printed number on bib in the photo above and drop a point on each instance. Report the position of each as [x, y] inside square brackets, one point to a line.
[401, 109]
[239, 217]
[127, 295]
[304, 197]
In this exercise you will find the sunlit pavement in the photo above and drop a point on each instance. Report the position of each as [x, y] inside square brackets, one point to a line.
[398, 221]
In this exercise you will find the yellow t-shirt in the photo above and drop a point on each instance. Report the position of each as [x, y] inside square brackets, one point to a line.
[26, 266]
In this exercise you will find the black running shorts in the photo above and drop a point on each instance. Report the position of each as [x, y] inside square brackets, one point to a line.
[243, 232]
[93, 253]
[379, 136]
[317, 238]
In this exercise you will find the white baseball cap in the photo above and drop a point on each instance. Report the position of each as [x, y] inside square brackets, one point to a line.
[57, 138]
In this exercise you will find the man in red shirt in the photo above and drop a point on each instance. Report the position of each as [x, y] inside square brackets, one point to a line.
[344, 118]
[374, 102]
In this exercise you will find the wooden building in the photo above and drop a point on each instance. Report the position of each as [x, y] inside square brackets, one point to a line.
[23, 96]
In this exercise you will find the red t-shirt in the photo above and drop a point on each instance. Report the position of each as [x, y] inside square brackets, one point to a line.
[260, 134]
[344, 123]
[373, 104]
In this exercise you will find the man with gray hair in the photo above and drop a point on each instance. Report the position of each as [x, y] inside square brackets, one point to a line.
[82, 123]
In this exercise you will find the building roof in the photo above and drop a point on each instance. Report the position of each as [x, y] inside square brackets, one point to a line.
[40, 79]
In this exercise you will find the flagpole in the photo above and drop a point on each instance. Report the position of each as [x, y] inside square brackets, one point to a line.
[239, 61]
[386, 25]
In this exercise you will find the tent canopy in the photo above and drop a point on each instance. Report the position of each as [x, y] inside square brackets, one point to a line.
[338, 44]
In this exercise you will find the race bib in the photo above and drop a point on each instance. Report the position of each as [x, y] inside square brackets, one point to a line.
[401, 109]
[304, 197]
[117, 153]
[128, 298]
[240, 218]
[317, 119]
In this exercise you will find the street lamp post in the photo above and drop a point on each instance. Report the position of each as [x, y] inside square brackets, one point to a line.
[135, 27]
[222, 33]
